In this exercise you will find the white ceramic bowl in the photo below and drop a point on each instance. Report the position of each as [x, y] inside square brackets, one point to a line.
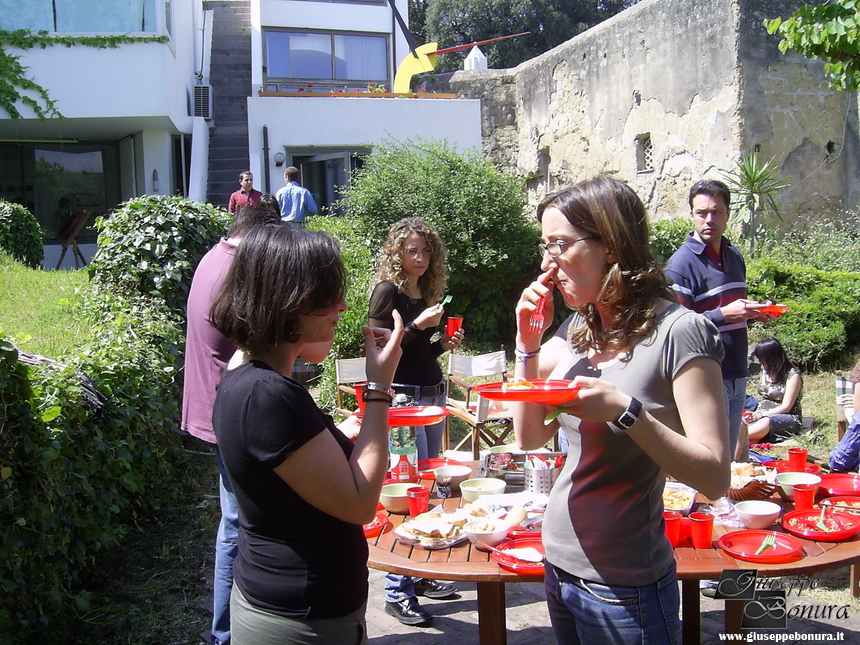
[486, 531]
[472, 489]
[787, 480]
[458, 474]
[393, 497]
[757, 514]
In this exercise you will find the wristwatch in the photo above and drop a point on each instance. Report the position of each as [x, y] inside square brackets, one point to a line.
[376, 387]
[628, 417]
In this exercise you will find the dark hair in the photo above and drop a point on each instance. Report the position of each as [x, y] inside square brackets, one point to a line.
[610, 211]
[279, 273]
[771, 354]
[250, 216]
[245, 172]
[712, 187]
[291, 173]
[268, 200]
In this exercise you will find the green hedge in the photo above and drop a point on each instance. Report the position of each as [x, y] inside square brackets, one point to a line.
[20, 234]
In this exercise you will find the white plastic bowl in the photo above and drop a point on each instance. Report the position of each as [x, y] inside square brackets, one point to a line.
[757, 514]
[472, 489]
[458, 474]
[494, 537]
[393, 497]
[787, 480]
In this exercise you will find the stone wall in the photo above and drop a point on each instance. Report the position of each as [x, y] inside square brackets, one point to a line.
[699, 81]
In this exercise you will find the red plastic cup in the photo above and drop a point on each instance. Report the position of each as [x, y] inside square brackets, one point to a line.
[702, 530]
[359, 396]
[452, 325]
[804, 496]
[673, 527]
[418, 499]
[797, 460]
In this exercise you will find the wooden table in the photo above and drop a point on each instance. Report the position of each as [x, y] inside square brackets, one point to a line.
[465, 563]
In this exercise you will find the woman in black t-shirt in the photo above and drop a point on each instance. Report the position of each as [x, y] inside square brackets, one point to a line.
[303, 488]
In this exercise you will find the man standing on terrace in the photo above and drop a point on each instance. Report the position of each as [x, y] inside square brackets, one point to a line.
[247, 195]
[710, 278]
[296, 202]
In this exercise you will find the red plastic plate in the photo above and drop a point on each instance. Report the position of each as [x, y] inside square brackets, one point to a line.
[781, 466]
[427, 466]
[743, 545]
[545, 392]
[775, 310]
[519, 532]
[414, 415]
[377, 526]
[840, 484]
[519, 566]
[802, 524]
[843, 503]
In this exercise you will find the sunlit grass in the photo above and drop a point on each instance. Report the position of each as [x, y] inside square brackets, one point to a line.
[37, 308]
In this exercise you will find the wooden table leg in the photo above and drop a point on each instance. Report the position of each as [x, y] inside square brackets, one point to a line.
[854, 580]
[491, 613]
[734, 611]
[692, 628]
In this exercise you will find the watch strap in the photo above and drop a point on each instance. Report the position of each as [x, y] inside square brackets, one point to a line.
[628, 417]
[377, 387]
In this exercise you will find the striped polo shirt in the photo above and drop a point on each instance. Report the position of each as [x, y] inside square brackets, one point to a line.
[704, 282]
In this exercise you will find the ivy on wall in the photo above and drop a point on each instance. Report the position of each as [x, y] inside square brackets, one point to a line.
[14, 81]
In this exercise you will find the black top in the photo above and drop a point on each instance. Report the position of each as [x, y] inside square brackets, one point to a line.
[294, 560]
[418, 364]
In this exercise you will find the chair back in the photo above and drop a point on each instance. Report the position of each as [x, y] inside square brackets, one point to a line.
[350, 370]
[481, 365]
[844, 403]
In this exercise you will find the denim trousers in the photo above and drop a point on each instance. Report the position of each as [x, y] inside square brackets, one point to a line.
[583, 611]
[428, 439]
[226, 547]
[736, 397]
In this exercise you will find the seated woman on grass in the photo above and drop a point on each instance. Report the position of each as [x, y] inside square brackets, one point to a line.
[777, 415]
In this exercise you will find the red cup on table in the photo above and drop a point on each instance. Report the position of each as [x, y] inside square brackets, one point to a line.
[672, 520]
[452, 325]
[804, 496]
[797, 460]
[359, 396]
[702, 530]
[418, 500]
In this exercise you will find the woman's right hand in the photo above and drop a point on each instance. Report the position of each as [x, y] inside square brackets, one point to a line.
[382, 350]
[430, 317]
[528, 340]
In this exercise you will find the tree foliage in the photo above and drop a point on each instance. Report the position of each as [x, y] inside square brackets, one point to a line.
[829, 31]
[20, 234]
[550, 23]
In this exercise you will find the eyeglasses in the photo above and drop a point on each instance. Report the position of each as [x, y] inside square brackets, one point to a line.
[414, 253]
[556, 248]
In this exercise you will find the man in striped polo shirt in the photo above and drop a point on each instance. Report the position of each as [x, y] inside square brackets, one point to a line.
[709, 277]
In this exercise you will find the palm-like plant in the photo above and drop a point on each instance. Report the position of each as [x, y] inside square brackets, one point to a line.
[754, 184]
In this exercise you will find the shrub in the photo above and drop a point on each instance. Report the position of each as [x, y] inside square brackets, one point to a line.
[668, 235]
[152, 245]
[20, 234]
[826, 243]
[476, 209]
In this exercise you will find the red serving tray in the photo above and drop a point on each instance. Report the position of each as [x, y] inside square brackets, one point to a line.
[546, 392]
[519, 566]
[774, 310]
[840, 484]
[810, 517]
[379, 525]
[781, 466]
[427, 466]
[743, 545]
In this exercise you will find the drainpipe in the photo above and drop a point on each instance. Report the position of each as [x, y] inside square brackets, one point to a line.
[266, 158]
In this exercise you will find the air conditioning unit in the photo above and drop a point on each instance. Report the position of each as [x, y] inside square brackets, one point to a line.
[203, 101]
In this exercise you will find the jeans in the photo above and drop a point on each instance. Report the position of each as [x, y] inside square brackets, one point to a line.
[589, 612]
[226, 547]
[736, 396]
[428, 439]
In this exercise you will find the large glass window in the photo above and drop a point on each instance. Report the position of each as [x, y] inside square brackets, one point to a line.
[112, 16]
[295, 58]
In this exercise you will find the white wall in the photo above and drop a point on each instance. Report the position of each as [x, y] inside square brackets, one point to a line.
[330, 122]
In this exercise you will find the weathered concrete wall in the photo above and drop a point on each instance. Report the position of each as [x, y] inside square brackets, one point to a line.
[701, 77]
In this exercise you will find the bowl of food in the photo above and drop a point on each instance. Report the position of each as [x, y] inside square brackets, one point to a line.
[472, 489]
[487, 532]
[757, 514]
[458, 474]
[393, 497]
[786, 481]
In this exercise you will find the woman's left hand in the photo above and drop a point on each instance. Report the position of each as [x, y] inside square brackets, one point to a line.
[597, 401]
[452, 342]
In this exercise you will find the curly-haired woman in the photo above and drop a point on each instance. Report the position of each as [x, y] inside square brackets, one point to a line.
[412, 279]
[651, 403]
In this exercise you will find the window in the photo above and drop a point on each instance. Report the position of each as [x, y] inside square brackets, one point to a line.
[113, 16]
[644, 153]
[295, 59]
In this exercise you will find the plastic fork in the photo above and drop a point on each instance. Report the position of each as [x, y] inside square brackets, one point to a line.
[769, 541]
[820, 523]
[536, 321]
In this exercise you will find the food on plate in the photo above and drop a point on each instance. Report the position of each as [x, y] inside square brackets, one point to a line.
[678, 499]
[744, 473]
[472, 510]
[516, 515]
[844, 505]
[518, 384]
[803, 524]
